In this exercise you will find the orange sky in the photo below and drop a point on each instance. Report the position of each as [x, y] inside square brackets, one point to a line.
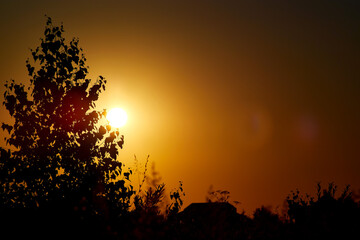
[254, 97]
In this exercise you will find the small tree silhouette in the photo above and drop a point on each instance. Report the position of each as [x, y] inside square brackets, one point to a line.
[153, 199]
[217, 195]
[63, 154]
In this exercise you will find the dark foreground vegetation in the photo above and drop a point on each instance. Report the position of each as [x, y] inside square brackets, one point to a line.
[60, 177]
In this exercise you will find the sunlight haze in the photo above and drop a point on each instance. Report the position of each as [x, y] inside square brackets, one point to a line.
[117, 117]
[254, 97]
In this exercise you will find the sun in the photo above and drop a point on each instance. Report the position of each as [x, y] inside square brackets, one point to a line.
[117, 117]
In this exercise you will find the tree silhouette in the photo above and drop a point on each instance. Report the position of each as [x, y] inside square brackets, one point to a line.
[62, 152]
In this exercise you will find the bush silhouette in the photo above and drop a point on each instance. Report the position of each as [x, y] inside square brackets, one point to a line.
[326, 216]
[267, 225]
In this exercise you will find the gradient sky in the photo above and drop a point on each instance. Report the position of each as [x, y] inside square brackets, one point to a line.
[254, 97]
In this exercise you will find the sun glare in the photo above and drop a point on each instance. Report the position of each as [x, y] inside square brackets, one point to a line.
[117, 117]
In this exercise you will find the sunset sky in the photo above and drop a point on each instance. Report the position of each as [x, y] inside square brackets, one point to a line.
[254, 97]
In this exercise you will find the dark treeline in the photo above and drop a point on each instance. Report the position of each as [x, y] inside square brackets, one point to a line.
[60, 177]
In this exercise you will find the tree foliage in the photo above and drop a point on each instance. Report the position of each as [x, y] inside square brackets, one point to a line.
[62, 152]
